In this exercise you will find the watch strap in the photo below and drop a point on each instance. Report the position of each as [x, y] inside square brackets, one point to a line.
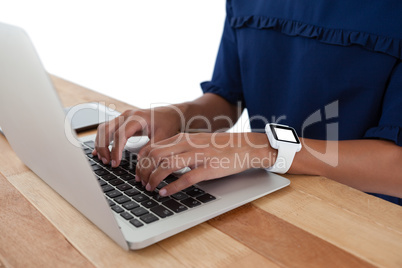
[284, 159]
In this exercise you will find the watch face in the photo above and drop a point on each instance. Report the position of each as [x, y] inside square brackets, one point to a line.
[284, 133]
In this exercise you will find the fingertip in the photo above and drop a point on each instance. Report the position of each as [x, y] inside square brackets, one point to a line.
[163, 192]
[114, 164]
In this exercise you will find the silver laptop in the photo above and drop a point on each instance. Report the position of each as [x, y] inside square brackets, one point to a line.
[33, 120]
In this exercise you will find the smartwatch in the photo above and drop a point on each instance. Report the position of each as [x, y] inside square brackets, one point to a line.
[285, 140]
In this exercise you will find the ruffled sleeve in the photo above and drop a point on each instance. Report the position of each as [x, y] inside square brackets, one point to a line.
[390, 124]
[343, 37]
[391, 133]
[226, 78]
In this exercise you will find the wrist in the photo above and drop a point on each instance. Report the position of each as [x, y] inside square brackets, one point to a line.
[261, 149]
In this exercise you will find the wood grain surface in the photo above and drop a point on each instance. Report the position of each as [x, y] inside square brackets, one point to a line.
[315, 222]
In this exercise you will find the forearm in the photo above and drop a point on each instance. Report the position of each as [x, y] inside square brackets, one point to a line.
[367, 165]
[208, 113]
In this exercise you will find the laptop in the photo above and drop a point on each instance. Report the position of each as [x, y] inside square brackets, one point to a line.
[34, 123]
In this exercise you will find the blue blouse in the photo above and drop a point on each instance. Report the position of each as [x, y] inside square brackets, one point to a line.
[330, 69]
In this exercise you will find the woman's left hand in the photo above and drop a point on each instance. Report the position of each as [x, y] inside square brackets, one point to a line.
[209, 156]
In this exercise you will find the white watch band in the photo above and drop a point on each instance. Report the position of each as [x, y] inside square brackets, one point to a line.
[284, 159]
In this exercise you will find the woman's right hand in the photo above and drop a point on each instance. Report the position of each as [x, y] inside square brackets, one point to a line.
[158, 124]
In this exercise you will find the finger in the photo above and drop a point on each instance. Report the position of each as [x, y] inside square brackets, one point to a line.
[148, 163]
[190, 178]
[170, 165]
[159, 136]
[159, 142]
[131, 126]
[103, 138]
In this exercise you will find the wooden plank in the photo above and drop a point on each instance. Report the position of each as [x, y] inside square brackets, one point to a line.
[80, 232]
[205, 246]
[360, 224]
[10, 163]
[281, 242]
[25, 234]
[178, 251]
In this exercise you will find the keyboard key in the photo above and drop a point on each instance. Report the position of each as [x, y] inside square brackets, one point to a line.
[132, 182]
[102, 182]
[111, 203]
[88, 151]
[101, 172]
[148, 218]
[118, 171]
[113, 194]
[188, 189]
[97, 160]
[131, 168]
[195, 192]
[90, 144]
[140, 197]
[116, 182]
[122, 199]
[150, 194]
[124, 187]
[149, 203]
[124, 163]
[130, 205]
[161, 211]
[139, 211]
[161, 185]
[117, 209]
[136, 223]
[126, 215]
[191, 202]
[139, 186]
[96, 167]
[127, 177]
[161, 198]
[107, 188]
[131, 192]
[92, 163]
[129, 156]
[174, 205]
[108, 177]
[179, 196]
[206, 198]
[170, 179]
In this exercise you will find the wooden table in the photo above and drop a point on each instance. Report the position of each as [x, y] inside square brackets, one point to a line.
[315, 222]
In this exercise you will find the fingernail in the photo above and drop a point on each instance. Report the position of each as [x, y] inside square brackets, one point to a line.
[143, 183]
[148, 187]
[137, 178]
[113, 163]
[162, 192]
[104, 160]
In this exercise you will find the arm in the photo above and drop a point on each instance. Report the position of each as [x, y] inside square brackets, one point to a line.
[209, 112]
[162, 123]
[367, 165]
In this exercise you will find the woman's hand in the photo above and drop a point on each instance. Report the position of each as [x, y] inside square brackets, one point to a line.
[158, 124]
[208, 155]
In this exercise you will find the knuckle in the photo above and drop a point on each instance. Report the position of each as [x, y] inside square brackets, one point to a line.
[187, 180]
[154, 153]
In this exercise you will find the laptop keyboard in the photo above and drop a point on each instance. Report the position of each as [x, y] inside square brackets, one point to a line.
[131, 200]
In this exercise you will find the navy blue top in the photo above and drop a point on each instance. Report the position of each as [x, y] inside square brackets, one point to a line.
[330, 69]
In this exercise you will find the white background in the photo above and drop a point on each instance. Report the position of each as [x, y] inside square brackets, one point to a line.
[141, 52]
